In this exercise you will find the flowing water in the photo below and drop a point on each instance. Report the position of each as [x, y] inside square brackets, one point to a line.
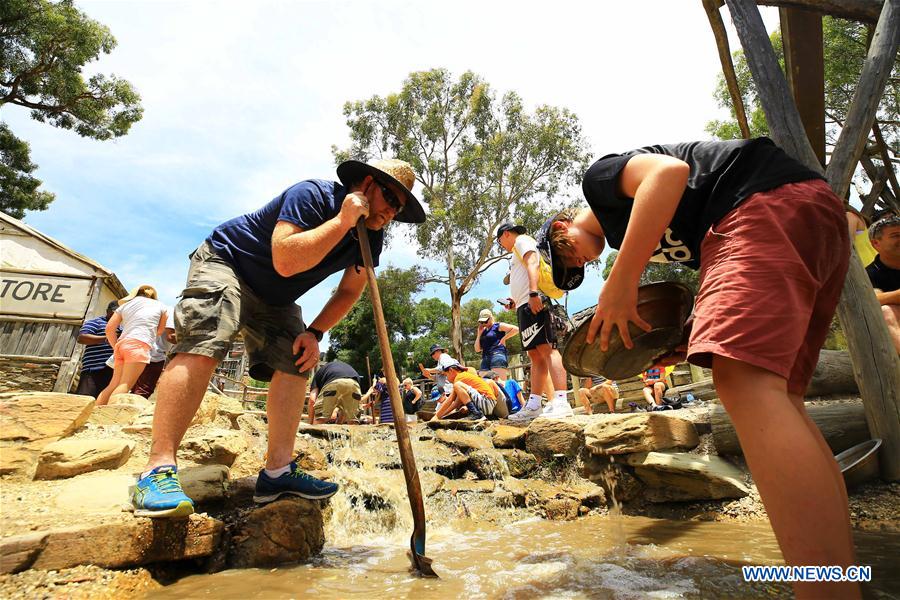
[484, 549]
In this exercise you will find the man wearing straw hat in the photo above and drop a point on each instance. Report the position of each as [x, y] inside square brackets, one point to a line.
[246, 277]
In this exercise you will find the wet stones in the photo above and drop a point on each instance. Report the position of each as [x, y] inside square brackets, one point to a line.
[287, 530]
[218, 446]
[546, 438]
[519, 463]
[680, 476]
[70, 457]
[615, 479]
[488, 464]
[205, 484]
[642, 432]
[507, 436]
[463, 440]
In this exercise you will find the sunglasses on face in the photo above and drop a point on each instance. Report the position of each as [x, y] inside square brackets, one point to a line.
[391, 198]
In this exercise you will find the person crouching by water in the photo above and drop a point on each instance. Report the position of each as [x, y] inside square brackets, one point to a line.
[335, 386]
[143, 319]
[469, 390]
[490, 340]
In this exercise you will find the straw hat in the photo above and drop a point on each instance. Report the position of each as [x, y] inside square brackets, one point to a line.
[388, 171]
[148, 291]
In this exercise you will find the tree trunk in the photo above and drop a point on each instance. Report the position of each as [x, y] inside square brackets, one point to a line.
[843, 424]
[456, 339]
[833, 375]
[875, 362]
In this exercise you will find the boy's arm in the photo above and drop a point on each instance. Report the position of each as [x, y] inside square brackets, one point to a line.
[533, 266]
[656, 182]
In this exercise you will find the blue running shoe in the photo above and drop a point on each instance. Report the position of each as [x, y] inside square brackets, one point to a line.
[294, 482]
[159, 494]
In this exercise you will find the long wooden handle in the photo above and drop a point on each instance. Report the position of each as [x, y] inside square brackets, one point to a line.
[407, 460]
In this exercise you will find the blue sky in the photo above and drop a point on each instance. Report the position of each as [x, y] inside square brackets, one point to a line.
[243, 99]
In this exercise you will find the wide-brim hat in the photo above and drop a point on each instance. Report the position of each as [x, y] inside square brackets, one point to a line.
[387, 171]
[138, 291]
[565, 278]
[435, 348]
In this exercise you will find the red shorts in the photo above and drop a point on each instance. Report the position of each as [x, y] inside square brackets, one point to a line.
[131, 350]
[771, 275]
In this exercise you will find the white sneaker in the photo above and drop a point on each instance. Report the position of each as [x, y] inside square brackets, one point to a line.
[525, 414]
[559, 409]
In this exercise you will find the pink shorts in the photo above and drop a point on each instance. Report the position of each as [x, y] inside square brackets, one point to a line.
[771, 275]
[130, 350]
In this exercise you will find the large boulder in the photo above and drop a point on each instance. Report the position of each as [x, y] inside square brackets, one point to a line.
[641, 432]
[217, 446]
[507, 436]
[117, 544]
[285, 531]
[681, 476]
[206, 484]
[546, 438]
[31, 420]
[115, 414]
[70, 457]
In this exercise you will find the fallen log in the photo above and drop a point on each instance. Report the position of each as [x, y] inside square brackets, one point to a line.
[843, 424]
[833, 375]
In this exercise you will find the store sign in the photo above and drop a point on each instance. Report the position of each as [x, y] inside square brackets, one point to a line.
[37, 295]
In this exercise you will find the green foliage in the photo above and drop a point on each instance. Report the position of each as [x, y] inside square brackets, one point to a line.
[479, 159]
[18, 188]
[655, 271]
[44, 46]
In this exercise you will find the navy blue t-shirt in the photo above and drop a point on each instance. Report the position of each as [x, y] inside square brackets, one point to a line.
[245, 242]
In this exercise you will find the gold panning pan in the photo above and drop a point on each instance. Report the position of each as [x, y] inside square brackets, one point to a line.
[664, 305]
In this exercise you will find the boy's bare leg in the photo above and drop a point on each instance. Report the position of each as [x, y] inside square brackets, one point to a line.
[283, 408]
[540, 371]
[658, 389]
[178, 396]
[557, 371]
[648, 395]
[795, 477]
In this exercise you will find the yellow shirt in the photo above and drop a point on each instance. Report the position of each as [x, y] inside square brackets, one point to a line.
[864, 247]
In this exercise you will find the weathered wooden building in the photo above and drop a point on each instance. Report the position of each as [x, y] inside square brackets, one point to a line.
[46, 293]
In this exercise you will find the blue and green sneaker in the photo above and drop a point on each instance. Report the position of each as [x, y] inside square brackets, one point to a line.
[295, 482]
[159, 494]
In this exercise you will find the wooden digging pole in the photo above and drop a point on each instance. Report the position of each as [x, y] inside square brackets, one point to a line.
[875, 362]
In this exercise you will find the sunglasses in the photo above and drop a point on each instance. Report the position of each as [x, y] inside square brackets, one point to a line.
[391, 198]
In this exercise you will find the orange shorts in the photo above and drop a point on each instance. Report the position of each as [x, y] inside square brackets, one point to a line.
[771, 275]
[130, 350]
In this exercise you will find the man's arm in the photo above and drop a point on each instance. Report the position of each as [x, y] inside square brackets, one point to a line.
[888, 297]
[656, 182]
[348, 292]
[89, 339]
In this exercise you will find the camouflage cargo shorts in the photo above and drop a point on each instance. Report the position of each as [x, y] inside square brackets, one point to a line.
[216, 305]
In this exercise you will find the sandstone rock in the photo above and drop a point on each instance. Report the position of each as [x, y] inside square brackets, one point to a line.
[252, 425]
[615, 479]
[117, 544]
[554, 501]
[440, 458]
[208, 409]
[219, 446]
[130, 399]
[546, 438]
[96, 493]
[67, 458]
[488, 464]
[458, 424]
[506, 436]
[287, 530]
[30, 421]
[463, 440]
[229, 405]
[205, 484]
[641, 432]
[115, 414]
[463, 486]
[310, 457]
[519, 463]
[326, 432]
[682, 476]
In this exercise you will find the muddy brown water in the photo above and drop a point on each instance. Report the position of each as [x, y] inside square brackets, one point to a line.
[481, 550]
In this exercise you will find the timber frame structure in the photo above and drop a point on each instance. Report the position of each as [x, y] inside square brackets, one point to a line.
[795, 111]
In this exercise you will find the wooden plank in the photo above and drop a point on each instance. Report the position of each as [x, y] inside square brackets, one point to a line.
[866, 11]
[801, 34]
[861, 114]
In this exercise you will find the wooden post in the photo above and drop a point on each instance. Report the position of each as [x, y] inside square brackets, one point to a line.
[875, 363]
[801, 35]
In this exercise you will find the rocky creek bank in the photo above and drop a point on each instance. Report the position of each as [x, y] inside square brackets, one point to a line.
[66, 468]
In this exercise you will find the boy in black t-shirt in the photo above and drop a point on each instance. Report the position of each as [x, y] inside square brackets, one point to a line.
[770, 240]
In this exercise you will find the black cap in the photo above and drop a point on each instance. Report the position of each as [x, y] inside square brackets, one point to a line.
[435, 348]
[565, 278]
[509, 226]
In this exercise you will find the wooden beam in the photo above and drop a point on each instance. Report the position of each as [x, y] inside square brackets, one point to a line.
[785, 125]
[804, 61]
[885, 158]
[874, 173]
[875, 362]
[721, 36]
[861, 115]
[866, 11]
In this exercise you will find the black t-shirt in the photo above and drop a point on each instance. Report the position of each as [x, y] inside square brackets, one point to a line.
[328, 372]
[410, 406]
[723, 174]
[883, 277]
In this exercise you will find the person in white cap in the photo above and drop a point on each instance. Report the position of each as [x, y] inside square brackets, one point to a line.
[245, 278]
[490, 340]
